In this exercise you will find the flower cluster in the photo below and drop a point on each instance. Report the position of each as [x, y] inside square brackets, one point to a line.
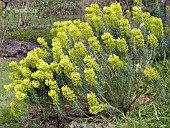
[67, 66]
[9, 86]
[22, 88]
[146, 19]
[54, 96]
[68, 93]
[80, 48]
[98, 23]
[94, 44]
[57, 49]
[42, 75]
[59, 26]
[89, 61]
[42, 65]
[116, 62]
[20, 95]
[91, 11]
[124, 27]
[32, 57]
[137, 14]
[86, 30]
[95, 106]
[117, 8]
[75, 33]
[151, 73]
[15, 108]
[90, 77]
[35, 84]
[41, 41]
[110, 17]
[153, 40]
[94, 17]
[122, 45]
[156, 26]
[108, 40]
[137, 37]
[63, 39]
[76, 79]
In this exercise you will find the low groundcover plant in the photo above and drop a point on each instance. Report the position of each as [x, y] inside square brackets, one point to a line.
[98, 65]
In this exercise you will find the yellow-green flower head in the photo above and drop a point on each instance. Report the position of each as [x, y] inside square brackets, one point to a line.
[77, 22]
[108, 40]
[68, 93]
[60, 26]
[67, 23]
[15, 108]
[86, 30]
[52, 93]
[94, 8]
[57, 51]
[92, 100]
[107, 10]
[42, 42]
[67, 66]
[35, 84]
[55, 42]
[42, 75]
[75, 33]
[94, 44]
[137, 14]
[89, 61]
[50, 82]
[124, 27]
[76, 79]
[137, 37]
[117, 8]
[40, 53]
[91, 11]
[80, 48]
[53, 65]
[122, 45]
[20, 95]
[153, 40]
[54, 31]
[54, 96]
[26, 83]
[146, 19]
[14, 65]
[63, 39]
[26, 72]
[95, 107]
[110, 17]
[116, 62]
[73, 56]
[98, 23]
[151, 73]
[30, 61]
[9, 86]
[42, 65]
[88, 17]
[14, 76]
[156, 26]
[90, 77]
[18, 87]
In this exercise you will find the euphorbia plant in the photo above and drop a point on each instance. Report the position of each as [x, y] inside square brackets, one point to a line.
[99, 64]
